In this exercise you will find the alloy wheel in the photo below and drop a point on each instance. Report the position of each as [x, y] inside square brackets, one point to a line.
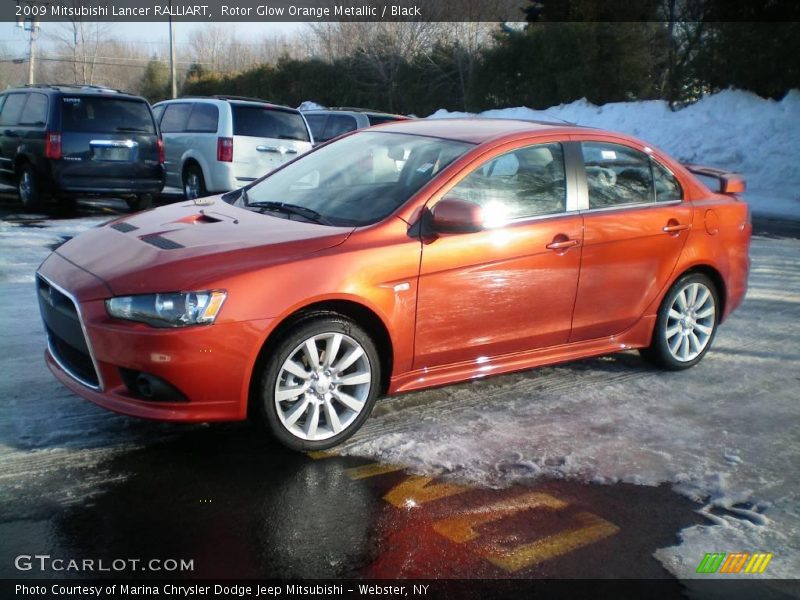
[690, 321]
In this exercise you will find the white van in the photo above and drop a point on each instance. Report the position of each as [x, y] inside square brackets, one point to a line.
[222, 143]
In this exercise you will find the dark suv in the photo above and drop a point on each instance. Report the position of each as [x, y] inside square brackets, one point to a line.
[66, 141]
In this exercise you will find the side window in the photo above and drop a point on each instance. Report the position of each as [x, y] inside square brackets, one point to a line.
[528, 182]
[667, 186]
[617, 175]
[203, 119]
[12, 109]
[35, 111]
[175, 117]
[158, 112]
[316, 123]
[339, 124]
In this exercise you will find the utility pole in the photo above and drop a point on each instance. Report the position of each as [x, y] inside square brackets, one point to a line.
[173, 79]
[30, 24]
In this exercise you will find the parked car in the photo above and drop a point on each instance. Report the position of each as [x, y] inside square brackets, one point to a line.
[66, 141]
[329, 123]
[499, 245]
[222, 143]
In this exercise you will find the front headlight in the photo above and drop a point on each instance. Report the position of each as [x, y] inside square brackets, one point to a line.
[177, 309]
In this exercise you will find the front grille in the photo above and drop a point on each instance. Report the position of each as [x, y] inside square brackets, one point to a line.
[65, 334]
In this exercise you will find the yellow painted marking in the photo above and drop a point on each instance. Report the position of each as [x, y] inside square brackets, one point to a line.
[415, 491]
[593, 529]
[752, 566]
[462, 528]
[371, 470]
[767, 558]
[318, 454]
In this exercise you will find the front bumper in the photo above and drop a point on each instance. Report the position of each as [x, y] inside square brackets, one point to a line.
[210, 365]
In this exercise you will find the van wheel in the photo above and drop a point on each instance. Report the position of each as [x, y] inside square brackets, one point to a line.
[686, 324]
[28, 187]
[194, 186]
[320, 383]
[140, 202]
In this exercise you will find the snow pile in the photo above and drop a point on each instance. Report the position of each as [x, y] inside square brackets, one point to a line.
[733, 129]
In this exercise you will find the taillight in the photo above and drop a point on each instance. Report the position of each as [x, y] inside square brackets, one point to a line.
[52, 145]
[160, 144]
[225, 149]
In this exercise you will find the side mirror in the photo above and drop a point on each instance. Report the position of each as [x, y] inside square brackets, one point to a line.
[453, 215]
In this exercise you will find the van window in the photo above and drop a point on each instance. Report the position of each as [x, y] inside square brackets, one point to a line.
[12, 109]
[175, 117]
[35, 111]
[203, 119]
[316, 123]
[339, 124]
[105, 115]
[265, 122]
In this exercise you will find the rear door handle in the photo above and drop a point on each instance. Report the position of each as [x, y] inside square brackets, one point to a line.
[676, 228]
[562, 245]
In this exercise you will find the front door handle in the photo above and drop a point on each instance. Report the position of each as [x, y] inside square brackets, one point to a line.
[562, 244]
[674, 227]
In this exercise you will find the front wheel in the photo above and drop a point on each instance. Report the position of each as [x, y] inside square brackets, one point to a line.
[320, 383]
[686, 324]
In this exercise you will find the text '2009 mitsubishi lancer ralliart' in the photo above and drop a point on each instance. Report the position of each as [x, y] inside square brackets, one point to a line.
[409, 255]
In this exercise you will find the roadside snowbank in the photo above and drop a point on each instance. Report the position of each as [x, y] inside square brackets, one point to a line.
[735, 130]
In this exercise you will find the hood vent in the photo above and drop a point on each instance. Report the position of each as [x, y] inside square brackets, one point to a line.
[124, 227]
[161, 242]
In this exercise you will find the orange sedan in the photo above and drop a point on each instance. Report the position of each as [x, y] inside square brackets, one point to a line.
[397, 258]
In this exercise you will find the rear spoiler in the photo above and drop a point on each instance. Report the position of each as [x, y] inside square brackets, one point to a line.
[729, 182]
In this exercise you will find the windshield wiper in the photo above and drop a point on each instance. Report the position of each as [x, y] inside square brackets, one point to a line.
[290, 209]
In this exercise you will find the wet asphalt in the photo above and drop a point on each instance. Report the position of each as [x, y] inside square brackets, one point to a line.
[240, 506]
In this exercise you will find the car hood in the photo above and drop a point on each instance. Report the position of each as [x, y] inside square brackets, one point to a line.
[185, 245]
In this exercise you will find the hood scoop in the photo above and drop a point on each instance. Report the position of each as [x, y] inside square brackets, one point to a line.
[124, 227]
[200, 218]
[160, 241]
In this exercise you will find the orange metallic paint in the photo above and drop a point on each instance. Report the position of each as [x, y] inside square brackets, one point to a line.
[455, 306]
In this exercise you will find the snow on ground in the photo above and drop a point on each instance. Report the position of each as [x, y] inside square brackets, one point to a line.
[733, 129]
[723, 433]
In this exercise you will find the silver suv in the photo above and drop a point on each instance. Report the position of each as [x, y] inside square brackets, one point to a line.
[222, 143]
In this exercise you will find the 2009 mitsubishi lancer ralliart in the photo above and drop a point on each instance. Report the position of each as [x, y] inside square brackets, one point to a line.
[397, 258]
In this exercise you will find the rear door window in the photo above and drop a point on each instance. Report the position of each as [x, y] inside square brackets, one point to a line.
[339, 124]
[175, 117]
[317, 124]
[617, 175]
[667, 187]
[35, 112]
[203, 119]
[12, 109]
[266, 122]
[105, 115]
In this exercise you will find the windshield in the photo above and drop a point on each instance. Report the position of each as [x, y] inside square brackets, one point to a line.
[357, 180]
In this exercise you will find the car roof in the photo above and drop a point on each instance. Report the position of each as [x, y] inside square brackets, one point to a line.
[237, 100]
[74, 89]
[338, 110]
[476, 130]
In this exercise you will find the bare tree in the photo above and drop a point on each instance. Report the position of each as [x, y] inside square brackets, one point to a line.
[81, 40]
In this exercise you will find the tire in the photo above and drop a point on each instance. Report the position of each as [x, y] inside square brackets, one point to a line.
[27, 187]
[292, 390]
[194, 186]
[140, 202]
[686, 324]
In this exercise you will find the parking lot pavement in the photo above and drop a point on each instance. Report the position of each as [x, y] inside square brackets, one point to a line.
[435, 485]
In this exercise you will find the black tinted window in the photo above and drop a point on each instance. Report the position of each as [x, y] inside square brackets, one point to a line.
[263, 122]
[175, 118]
[667, 187]
[203, 118]
[12, 109]
[617, 175]
[105, 115]
[35, 111]
[316, 123]
[339, 124]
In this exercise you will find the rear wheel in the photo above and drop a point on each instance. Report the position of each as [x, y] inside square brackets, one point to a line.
[320, 383]
[140, 202]
[27, 186]
[686, 324]
[194, 186]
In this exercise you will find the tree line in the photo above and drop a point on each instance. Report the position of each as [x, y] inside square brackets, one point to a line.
[676, 50]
